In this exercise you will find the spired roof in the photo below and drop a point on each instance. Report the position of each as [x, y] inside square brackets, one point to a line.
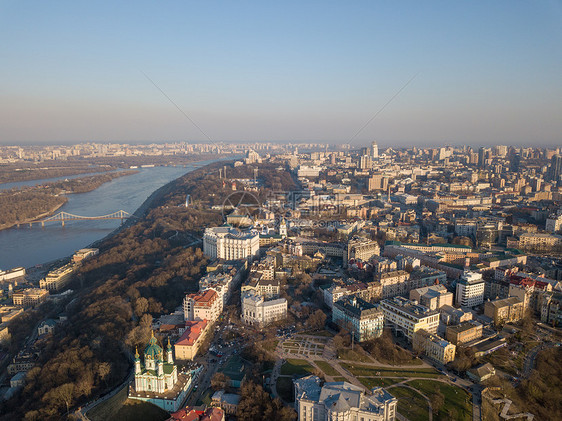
[152, 350]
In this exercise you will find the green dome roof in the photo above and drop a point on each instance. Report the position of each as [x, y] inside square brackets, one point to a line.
[152, 350]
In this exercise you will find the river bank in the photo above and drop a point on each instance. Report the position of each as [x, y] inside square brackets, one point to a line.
[48, 246]
[17, 205]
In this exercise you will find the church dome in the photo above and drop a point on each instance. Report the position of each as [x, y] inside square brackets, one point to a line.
[152, 350]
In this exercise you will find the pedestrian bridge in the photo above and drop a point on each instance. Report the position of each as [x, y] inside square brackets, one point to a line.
[65, 216]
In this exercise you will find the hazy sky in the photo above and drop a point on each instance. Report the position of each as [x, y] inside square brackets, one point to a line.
[488, 72]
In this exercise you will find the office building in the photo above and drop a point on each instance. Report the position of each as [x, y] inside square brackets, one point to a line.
[407, 317]
[470, 289]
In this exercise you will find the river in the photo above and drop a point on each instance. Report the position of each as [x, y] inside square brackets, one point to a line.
[28, 247]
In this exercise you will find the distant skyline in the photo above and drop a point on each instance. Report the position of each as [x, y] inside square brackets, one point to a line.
[487, 72]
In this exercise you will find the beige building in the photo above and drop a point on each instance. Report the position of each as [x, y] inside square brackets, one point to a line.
[57, 279]
[453, 316]
[204, 305]
[30, 297]
[434, 347]
[539, 242]
[188, 344]
[434, 297]
[505, 310]
[393, 283]
[359, 248]
[464, 332]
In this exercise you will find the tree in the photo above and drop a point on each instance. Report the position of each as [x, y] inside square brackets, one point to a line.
[61, 395]
[317, 320]
[219, 381]
[437, 401]
[141, 306]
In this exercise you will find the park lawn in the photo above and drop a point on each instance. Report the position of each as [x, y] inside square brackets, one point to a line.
[135, 410]
[458, 403]
[359, 370]
[340, 379]
[107, 409]
[296, 366]
[285, 388]
[370, 382]
[411, 404]
[351, 355]
[327, 368]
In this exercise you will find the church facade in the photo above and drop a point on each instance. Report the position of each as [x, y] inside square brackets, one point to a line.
[157, 379]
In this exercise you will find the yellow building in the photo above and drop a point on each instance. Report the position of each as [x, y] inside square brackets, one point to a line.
[506, 310]
[434, 347]
[464, 332]
[188, 344]
[30, 297]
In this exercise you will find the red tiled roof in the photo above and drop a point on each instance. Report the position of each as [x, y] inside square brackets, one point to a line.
[192, 332]
[204, 299]
[191, 414]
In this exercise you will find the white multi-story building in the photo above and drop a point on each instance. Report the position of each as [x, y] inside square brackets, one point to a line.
[341, 401]
[470, 289]
[405, 316]
[230, 244]
[205, 305]
[258, 312]
[553, 224]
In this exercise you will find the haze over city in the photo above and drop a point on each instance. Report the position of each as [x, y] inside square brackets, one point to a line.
[483, 73]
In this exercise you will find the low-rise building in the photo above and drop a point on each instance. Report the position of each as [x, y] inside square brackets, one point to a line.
[407, 317]
[195, 414]
[361, 318]
[341, 401]
[228, 402]
[434, 347]
[453, 316]
[464, 332]
[434, 297]
[46, 326]
[505, 310]
[481, 373]
[84, 254]
[190, 341]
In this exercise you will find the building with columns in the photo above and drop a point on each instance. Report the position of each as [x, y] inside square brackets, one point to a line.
[230, 244]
